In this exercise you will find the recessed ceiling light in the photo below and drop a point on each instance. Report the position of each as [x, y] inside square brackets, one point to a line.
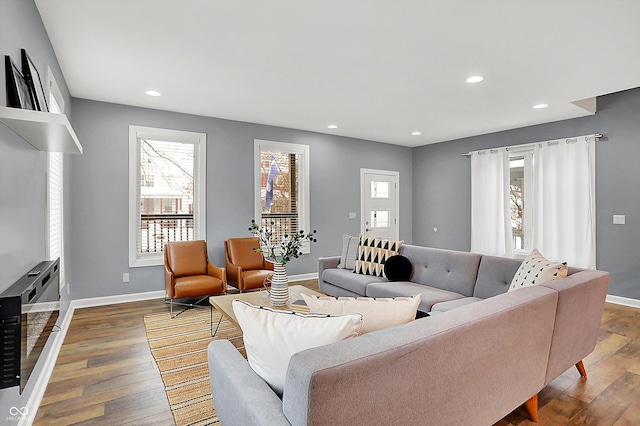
[416, 133]
[332, 126]
[475, 79]
[540, 106]
[153, 93]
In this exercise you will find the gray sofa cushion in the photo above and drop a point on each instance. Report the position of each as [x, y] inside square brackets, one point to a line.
[452, 304]
[356, 283]
[444, 269]
[430, 295]
[494, 276]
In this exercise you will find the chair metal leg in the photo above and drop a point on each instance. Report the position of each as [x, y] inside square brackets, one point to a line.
[188, 305]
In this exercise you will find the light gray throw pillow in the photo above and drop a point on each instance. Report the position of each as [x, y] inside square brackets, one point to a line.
[349, 252]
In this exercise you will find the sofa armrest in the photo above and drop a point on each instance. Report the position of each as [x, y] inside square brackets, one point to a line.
[240, 396]
[330, 262]
[327, 263]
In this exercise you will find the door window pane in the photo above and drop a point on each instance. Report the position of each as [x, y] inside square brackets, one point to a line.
[379, 189]
[379, 218]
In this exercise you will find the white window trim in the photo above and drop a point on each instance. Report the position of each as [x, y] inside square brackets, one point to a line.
[528, 201]
[49, 254]
[53, 91]
[200, 183]
[264, 145]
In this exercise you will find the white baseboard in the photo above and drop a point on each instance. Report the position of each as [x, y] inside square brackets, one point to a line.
[120, 298]
[303, 277]
[626, 301]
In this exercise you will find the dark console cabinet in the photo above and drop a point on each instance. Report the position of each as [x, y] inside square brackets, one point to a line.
[28, 313]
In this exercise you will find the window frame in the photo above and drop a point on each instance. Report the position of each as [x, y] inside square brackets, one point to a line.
[528, 210]
[304, 220]
[55, 181]
[199, 140]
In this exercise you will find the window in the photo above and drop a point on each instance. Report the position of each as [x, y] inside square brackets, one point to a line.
[539, 195]
[379, 189]
[282, 188]
[55, 184]
[55, 223]
[521, 201]
[167, 178]
[379, 218]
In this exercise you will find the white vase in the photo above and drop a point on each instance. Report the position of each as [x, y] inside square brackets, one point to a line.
[279, 285]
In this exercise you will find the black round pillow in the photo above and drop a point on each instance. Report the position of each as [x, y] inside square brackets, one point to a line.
[398, 268]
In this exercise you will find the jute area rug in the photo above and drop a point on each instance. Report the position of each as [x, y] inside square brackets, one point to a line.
[179, 346]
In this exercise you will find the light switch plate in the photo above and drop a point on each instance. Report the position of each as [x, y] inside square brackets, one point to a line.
[618, 219]
[352, 215]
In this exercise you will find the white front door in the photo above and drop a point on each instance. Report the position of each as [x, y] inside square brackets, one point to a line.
[379, 203]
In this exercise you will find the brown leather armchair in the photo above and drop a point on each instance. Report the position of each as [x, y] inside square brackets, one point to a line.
[188, 272]
[246, 268]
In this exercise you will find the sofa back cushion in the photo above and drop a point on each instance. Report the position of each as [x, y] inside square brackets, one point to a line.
[494, 276]
[444, 269]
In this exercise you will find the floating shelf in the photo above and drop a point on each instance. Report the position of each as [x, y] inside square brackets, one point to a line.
[46, 131]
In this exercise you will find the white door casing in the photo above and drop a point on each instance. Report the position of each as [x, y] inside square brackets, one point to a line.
[379, 203]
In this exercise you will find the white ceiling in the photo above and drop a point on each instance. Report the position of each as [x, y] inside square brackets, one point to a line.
[379, 69]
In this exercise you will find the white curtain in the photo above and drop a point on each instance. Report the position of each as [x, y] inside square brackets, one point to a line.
[564, 217]
[490, 210]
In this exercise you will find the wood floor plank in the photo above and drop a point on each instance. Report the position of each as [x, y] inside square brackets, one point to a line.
[601, 377]
[105, 374]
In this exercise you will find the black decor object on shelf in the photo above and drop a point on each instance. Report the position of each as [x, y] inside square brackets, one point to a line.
[18, 93]
[32, 77]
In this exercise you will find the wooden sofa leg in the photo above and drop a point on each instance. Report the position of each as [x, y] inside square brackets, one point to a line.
[532, 407]
[580, 367]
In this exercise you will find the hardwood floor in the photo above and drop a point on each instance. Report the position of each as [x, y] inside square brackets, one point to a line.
[105, 374]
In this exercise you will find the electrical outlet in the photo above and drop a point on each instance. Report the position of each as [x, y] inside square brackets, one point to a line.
[352, 215]
[68, 288]
[125, 277]
[618, 219]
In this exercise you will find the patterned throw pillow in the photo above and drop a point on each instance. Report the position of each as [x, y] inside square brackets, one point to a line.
[535, 269]
[373, 253]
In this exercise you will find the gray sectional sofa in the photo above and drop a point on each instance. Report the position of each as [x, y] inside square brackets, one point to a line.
[445, 278]
[473, 363]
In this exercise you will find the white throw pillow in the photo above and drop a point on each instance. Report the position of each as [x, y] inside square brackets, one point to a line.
[376, 313]
[349, 252]
[535, 269]
[271, 336]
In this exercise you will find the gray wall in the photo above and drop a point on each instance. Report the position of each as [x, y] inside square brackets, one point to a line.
[442, 185]
[22, 167]
[98, 224]
[22, 170]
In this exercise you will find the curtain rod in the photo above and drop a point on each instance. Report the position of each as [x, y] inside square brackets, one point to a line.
[596, 137]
